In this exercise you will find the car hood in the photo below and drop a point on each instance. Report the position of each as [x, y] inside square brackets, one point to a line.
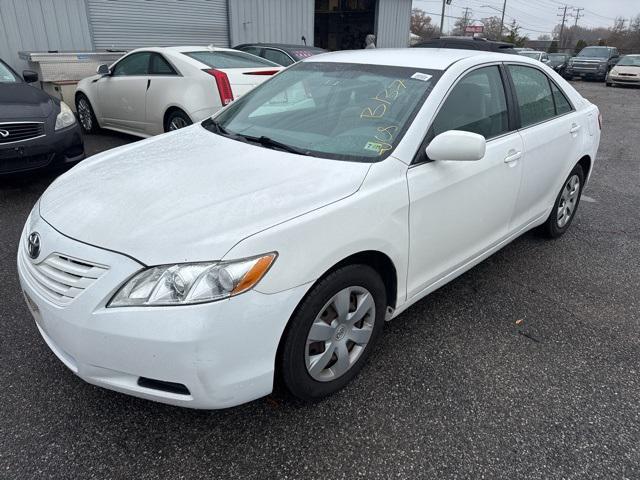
[20, 101]
[627, 69]
[190, 195]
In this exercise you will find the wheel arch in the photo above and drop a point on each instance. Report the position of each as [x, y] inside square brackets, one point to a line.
[170, 109]
[586, 164]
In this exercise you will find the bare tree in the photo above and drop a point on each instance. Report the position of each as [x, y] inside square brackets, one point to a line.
[421, 25]
[492, 28]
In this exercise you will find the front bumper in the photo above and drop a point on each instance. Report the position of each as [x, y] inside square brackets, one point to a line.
[55, 149]
[590, 73]
[624, 79]
[221, 353]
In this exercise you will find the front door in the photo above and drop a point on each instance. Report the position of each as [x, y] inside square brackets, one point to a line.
[122, 94]
[458, 210]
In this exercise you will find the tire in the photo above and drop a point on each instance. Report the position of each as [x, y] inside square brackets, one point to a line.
[87, 117]
[566, 205]
[311, 370]
[176, 120]
[608, 84]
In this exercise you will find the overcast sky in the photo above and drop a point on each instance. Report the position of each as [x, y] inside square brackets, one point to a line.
[536, 17]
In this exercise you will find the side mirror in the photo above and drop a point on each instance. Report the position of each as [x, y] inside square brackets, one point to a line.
[103, 69]
[29, 76]
[457, 146]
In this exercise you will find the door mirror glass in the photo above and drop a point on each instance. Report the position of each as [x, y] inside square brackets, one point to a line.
[457, 146]
[29, 76]
[103, 69]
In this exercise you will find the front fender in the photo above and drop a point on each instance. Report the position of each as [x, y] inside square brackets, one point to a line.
[374, 218]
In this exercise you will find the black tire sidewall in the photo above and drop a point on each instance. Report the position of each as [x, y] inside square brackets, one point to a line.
[292, 367]
[551, 227]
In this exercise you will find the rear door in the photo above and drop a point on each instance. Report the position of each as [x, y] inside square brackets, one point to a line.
[122, 94]
[552, 133]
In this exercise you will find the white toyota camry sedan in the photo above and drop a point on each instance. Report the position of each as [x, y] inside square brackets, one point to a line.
[158, 89]
[272, 241]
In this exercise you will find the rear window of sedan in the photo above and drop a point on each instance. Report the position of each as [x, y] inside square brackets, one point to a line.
[223, 59]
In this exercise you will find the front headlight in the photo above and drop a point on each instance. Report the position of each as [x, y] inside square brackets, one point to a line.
[614, 72]
[65, 118]
[189, 283]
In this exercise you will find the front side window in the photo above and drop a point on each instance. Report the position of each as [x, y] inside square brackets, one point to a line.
[6, 75]
[533, 91]
[134, 64]
[340, 111]
[229, 59]
[277, 56]
[476, 104]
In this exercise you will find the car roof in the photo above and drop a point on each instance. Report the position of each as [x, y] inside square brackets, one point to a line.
[284, 46]
[428, 58]
[183, 49]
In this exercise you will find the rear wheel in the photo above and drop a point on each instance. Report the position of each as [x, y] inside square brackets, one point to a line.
[176, 120]
[566, 205]
[333, 332]
[87, 118]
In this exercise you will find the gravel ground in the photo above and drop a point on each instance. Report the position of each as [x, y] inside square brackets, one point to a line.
[456, 388]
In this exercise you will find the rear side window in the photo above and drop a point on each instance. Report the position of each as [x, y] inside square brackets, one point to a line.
[476, 104]
[562, 104]
[277, 56]
[159, 66]
[535, 100]
[227, 59]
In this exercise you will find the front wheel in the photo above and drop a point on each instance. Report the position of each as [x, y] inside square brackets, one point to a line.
[333, 332]
[566, 205]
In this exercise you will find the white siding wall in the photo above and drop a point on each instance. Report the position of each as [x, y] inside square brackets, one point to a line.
[42, 25]
[129, 24]
[393, 19]
[273, 21]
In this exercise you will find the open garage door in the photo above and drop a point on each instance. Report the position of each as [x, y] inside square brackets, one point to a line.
[128, 24]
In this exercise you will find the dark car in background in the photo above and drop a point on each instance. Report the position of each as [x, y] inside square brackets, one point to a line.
[280, 53]
[468, 43]
[36, 130]
[558, 61]
[592, 62]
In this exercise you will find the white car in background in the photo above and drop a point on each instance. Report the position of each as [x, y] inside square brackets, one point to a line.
[274, 239]
[155, 90]
[540, 56]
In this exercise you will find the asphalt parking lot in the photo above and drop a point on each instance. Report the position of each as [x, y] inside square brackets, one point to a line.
[525, 367]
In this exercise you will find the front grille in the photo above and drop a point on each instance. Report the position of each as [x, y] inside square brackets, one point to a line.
[20, 131]
[60, 278]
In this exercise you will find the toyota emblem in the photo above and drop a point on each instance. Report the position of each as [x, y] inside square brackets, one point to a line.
[4, 133]
[33, 245]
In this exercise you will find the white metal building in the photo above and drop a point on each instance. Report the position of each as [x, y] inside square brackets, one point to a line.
[81, 25]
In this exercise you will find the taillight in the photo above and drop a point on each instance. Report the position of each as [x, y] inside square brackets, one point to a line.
[263, 72]
[599, 120]
[224, 87]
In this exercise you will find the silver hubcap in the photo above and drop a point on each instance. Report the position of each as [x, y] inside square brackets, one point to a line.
[340, 333]
[177, 123]
[568, 200]
[84, 112]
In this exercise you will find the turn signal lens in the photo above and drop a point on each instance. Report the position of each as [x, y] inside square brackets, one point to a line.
[191, 283]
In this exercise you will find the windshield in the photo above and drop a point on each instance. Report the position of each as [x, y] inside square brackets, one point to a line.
[557, 56]
[630, 61]
[534, 55]
[594, 52]
[332, 110]
[225, 59]
[6, 75]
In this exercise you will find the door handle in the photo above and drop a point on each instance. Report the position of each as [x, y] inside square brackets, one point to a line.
[512, 156]
[574, 128]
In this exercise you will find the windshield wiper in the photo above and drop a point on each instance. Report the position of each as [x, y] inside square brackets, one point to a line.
[213, 126]
[271, 143]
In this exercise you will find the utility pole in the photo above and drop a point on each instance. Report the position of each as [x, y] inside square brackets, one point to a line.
[504, 7]
[444, 2]
[465, 20]
[564, 19]
[576, 12]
